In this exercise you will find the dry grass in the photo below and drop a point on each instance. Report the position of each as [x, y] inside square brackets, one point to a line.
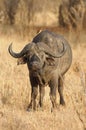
[15, 90]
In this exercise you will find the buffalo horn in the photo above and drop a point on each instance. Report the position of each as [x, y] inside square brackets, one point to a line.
[42, 46]
[22, 53]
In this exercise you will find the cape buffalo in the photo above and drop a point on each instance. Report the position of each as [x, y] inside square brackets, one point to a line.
[48, 58]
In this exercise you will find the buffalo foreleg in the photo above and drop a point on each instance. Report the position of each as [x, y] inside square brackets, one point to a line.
[42, 93]
[60, 90]
[34, 94]
[53, 90]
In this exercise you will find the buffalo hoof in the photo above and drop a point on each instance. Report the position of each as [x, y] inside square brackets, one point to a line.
[62, 102]
[54, 109]
[29, 110]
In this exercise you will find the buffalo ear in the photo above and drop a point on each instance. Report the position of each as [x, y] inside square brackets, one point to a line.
[25, 58]
[50, 61]
[22, 60]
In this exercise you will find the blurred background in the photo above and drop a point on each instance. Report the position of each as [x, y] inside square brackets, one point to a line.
[43, 13]
[26, 14]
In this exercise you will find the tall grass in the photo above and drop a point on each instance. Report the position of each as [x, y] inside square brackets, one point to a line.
[15, 88]
[22, 12]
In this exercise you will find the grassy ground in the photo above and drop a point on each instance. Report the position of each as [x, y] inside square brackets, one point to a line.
[15, 89]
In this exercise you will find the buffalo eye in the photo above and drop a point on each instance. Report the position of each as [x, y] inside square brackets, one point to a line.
[29, 56]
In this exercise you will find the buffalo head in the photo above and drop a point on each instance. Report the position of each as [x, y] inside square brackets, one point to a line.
[35, 55]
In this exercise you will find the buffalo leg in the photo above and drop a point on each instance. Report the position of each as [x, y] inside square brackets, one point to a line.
[60, 90]
[53, 90]
[33, 102]
[34, 94]
[42, 93]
